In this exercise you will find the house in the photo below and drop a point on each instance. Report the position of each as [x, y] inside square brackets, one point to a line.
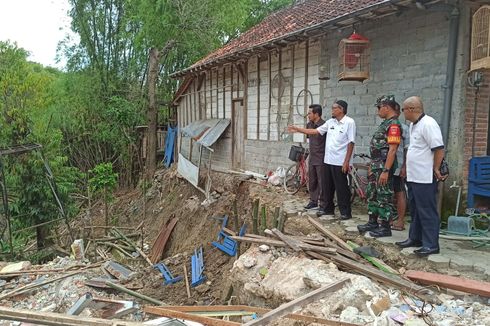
[265, 79]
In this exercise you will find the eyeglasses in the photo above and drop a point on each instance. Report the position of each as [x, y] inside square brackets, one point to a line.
[408, 109]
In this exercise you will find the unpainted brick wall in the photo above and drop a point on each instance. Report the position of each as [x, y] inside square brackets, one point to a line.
[476, 122]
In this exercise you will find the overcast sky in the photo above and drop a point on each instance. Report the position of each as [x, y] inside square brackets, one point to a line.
[36, 25]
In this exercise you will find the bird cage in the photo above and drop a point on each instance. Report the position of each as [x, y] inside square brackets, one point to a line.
[480, 39]
[354, 57]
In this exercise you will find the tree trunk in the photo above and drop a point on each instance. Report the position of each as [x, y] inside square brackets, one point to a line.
[152, 114]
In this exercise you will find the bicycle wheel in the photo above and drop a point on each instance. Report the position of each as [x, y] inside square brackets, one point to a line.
[292, 179]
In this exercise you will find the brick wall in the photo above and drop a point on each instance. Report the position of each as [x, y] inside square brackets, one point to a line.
[476, 126]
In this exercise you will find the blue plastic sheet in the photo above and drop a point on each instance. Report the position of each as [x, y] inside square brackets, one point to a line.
[168, 158]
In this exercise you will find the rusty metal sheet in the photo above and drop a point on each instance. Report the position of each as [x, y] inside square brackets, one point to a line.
[196, 129]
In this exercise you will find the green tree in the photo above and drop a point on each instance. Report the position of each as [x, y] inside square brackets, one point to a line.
[103, 181]
[26, 94]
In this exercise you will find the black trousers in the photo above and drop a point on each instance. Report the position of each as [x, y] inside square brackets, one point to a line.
[337, 182]
[316, 183]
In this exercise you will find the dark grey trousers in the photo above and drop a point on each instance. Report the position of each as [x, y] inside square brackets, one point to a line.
[422, 201]
[316, 183]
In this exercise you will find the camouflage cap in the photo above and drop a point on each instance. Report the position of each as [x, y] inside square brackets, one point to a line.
[385, 99]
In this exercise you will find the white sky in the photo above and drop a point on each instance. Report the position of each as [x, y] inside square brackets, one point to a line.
[35, 25]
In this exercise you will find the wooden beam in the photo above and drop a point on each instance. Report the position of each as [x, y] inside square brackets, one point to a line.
[258, 310]
[159, 311]
[293, 243]
[50, 318]
[289, 307]
[372, 272]
[450, 282]
[277, 243]
[329, 234]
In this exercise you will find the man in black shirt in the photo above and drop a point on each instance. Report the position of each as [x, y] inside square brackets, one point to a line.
[316, 166]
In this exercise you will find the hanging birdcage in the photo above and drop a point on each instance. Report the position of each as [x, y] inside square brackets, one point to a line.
[480, 39]
[354, 57]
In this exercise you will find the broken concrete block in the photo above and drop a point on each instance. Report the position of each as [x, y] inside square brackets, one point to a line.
[16, 267]
[78, 249]
[249, 262]
[81, 304]
[118, 271]
[264, 248]
[381, 305]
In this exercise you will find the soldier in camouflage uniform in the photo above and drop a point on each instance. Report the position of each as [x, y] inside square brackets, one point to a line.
[383, 147]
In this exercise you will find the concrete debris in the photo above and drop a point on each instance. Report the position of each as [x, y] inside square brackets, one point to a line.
[264, 248]
[16, 267]
[362, 301]
[120, 272]
[78, 249]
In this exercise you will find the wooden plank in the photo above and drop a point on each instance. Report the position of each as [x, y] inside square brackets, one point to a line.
[372, 272]
[186, 278]
[258, 310]
[161, 241]
[450, 282]
[329, 234]
[133, 293]
[50, 318]
[277, 243]
[287, 240]
[159, 311]
[297, 303]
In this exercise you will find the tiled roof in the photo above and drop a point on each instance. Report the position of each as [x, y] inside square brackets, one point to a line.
[289, 20]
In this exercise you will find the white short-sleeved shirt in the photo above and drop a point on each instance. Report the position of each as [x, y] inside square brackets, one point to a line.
[425, 137]
[339, 135]
[400, 157]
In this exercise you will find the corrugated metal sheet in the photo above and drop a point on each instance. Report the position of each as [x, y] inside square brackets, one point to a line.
[206, 132]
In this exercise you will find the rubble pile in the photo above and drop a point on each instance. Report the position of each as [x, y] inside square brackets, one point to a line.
[62, 295]
[268, 276]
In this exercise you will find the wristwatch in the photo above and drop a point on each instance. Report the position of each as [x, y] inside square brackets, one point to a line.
[386, 170]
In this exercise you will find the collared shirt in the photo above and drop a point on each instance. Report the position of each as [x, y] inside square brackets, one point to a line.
[339, 135]
[425, 137]
[317, 144]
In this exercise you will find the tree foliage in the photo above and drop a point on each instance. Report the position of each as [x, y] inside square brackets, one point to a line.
[27, 93]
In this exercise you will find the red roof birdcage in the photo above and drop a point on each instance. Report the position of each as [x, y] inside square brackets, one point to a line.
[354, 56]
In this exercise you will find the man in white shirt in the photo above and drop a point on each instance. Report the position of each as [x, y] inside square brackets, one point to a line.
[424, 157]
[339, 146]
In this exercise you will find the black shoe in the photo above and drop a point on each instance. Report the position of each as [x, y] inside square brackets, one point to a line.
[311, 205]
[382, 231]
[369, 226]
[424, 252]
[409, 243]
[345, 217]
[322, 211]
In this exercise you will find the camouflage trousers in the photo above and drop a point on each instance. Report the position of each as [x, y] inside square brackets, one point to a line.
[380, 198]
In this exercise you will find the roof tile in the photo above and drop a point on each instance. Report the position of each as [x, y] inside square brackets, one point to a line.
[289, 20]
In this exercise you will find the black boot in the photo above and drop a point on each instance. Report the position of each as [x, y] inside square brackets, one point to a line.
[384, 230]
[370, 225]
